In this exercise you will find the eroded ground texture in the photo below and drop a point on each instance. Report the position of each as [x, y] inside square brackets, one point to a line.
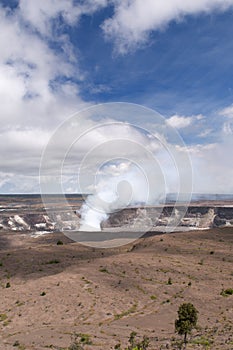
[49, 292]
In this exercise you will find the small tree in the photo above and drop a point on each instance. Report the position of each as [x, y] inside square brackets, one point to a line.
[186, 321]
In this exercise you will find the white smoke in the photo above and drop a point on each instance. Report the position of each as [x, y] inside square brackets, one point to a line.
[119, 184]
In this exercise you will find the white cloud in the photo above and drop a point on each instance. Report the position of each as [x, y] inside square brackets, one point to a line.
[213, 167]
[228, 128]
[205, 133]
[133, 20]
[40, 14]
[27, 68]
[179, 122]
[32, 103]
[227, 112]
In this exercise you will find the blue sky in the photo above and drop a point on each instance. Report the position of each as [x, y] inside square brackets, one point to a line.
[57, 57]
[188, 64]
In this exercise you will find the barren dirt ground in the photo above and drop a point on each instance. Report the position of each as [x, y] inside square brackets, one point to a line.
[49, 291]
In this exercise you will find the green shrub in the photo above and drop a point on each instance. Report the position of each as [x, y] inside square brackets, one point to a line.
[202, 341]
[53, 261]
[227, 292]
[131, 310]
[3, 317]
[79, 340]
[103, 269]
[59, 242]
[85, 338]
[16, 343]
[138, 345]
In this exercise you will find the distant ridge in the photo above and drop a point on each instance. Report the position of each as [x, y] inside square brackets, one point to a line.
[171, 197]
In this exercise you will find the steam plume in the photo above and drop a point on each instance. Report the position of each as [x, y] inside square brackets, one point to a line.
[119, 185]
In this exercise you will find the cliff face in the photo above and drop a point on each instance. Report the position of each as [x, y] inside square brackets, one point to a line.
[39, 221]
[195, 217]
[132, 218]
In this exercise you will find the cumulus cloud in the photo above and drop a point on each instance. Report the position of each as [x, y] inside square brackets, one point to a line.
[179, 122]
[205, 133]
[228, 128]
[227, 111]
[41, 14]
[195, 127]
[38, 92]
[33, 103]
[29, 69]
[211, 163]
[213, 168]
[133, 21]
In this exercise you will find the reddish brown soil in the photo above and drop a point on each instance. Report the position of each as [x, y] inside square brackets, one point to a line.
[108, 293]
